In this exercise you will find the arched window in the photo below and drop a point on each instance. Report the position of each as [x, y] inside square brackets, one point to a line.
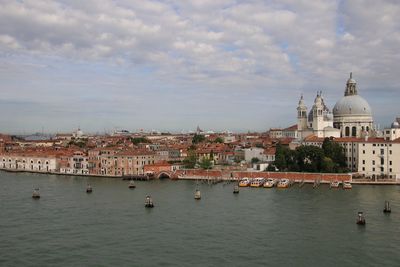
[347, 131]
[354, 131]
[362, 128]
[367, 128]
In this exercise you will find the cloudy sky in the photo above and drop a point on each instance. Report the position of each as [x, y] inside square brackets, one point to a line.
[173, 65]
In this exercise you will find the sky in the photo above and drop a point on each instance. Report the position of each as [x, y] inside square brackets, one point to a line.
[170, 65]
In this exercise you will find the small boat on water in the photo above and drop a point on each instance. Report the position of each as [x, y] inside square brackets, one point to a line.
[387, 208]
[244, 182]
[197, 194]
[257, 182]
[89, 189]
[132, 184]
[270, 182]
[236, 189]
[347, 185]
[283, 183]
[334, 184]
[360, 218]
[36, 194]
[148, 203]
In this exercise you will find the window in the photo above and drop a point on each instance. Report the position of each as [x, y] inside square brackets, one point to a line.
[363, 161]
[373, 169]
[363, 151]
[347, 131]
[390, 170]
[382, 169]
[354, 131]
[363, 168]
[373, 152]
[390, 152]
[390, 162]
[373, 162]
[382, 151]
[382, 161]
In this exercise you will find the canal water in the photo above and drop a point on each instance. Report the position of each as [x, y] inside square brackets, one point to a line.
[257, 227]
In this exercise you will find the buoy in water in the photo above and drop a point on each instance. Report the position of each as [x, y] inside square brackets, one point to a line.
[387, 208]
[197, 194]
[148, 203]
[236, 189]
[360, 218]
[36, 194]
[89, 189]
[132, 184]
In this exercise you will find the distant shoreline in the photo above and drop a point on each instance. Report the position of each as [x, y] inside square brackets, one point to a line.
[221, 179]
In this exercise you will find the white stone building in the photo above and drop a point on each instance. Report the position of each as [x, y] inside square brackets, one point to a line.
[319, 121]
[352, 113]
[254, 152]
[35, 162]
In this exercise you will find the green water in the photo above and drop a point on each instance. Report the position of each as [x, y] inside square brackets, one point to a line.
[257, 227]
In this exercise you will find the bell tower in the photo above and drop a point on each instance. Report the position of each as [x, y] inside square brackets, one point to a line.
[351, 86]
[301, 115]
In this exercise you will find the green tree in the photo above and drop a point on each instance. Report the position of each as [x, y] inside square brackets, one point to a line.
[271, 168]
[309, 158]
[335, 152]
[190, 161]
[328, 165]
[280, 157]
[219, 140]
[206, 163]
[139, 140]
[198, 138]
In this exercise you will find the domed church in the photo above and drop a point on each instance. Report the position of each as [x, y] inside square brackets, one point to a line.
[352, 114]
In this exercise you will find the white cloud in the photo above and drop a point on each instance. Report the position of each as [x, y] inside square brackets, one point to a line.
[222, 44]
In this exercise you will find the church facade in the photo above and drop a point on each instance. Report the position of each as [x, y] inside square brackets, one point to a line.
[351, 116]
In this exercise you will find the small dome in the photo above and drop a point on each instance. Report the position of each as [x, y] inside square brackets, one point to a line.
[395, 125]
[352, 105]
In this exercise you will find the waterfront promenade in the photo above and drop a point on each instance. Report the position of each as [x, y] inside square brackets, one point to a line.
[235, 176]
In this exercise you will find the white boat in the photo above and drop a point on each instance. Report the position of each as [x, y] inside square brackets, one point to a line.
[334, 184]
[257, 182]
[244, 182]
[283, 183]
[347, 185]
[270, 182]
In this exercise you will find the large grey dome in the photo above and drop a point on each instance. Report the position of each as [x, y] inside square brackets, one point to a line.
[352, 105]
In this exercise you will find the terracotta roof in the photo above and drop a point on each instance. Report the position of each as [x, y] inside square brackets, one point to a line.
[291, 128]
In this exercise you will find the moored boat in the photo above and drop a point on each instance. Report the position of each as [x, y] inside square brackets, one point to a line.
[283, 183]
[36, 194]
[257, 182]
[148, 203]
[244, 182]
[334, 184]
[347, 185]
[270, 182]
